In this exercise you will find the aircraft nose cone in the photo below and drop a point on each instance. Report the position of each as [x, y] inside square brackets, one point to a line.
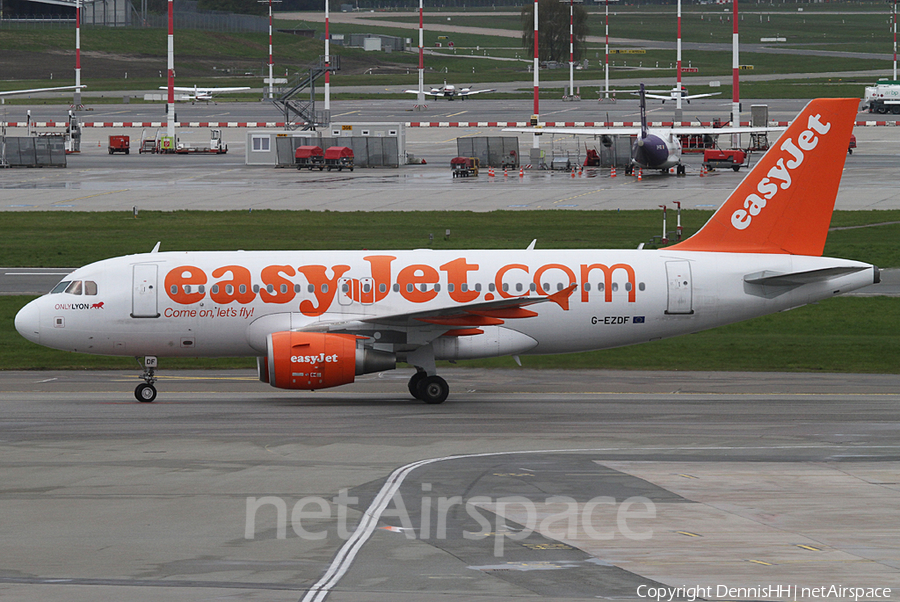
[28, 322]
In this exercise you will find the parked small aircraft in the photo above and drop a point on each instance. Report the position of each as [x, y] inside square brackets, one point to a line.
[36, 90]
[674, 93]
[196, 93]
[317, 319]
[449, 91]
[653, 148]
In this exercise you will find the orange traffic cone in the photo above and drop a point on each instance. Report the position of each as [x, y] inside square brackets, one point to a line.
[703, 171]
[521, 172]
[573, 173]
[505, 174]
[612, 172]
[640, 174]
[490, 172]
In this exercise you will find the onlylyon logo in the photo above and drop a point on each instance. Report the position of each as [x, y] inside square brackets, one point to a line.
[779, 176]
[513, 518]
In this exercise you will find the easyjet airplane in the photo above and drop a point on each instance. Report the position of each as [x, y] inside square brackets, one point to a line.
[317, 319]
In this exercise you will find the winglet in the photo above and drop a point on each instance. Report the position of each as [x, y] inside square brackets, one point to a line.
[561, 298]
[784, 204]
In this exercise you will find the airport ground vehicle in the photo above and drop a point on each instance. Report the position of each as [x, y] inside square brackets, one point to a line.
[882, 98]
[338, 157]
[714, 158]
[310, 157]
[119, 144]
[463, 167]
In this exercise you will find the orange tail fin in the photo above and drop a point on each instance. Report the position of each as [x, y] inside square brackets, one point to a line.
[784, 204]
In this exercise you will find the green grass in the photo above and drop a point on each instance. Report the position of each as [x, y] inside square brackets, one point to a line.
[118, 233]
[818, 26]
[839, 335]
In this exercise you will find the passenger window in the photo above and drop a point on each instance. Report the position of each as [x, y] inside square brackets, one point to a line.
[90, 287]
[74, 288]
[60, 287]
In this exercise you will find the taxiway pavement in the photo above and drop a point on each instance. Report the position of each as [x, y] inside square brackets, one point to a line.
[97, 181]
[541, 484]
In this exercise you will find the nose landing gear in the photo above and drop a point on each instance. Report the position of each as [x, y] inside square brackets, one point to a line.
[146, 392]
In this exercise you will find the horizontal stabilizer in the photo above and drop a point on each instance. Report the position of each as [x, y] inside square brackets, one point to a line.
[767, 278]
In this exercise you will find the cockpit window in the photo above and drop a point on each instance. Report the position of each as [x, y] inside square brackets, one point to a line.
[60, 287]
[76, 287]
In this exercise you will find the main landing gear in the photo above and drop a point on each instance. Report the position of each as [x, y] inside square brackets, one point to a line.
[425, 384]
[146, 392]
[430, 389]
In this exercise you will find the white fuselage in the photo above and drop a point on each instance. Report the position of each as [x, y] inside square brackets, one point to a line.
[226, 303]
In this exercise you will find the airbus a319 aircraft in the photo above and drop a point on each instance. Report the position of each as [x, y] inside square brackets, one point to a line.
[317, 319]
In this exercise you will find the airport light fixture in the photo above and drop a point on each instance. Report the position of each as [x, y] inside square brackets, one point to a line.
[271, 80]
[571, 4]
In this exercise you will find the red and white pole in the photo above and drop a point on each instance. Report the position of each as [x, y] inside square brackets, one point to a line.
[77, 99]
[735, 78]
[327, 65]
[537, 82]
[678, 62]
[895, 40]
[606, 67]
[170, 115]
[571, 48]
[420, 98]
[271, 64]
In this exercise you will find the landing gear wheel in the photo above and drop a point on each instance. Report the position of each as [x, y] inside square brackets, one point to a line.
[433, 390]
[145, 393]
[414, 382]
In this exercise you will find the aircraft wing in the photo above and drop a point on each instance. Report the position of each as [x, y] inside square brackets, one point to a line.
[425, 92]
[471, 92]
[204, 90]
[633, 131]
[468, 316]
[657, 96]
[692, 96]
[33, 90]
[581, 131]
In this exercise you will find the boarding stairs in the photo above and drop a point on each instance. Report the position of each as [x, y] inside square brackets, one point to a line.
[299, 109]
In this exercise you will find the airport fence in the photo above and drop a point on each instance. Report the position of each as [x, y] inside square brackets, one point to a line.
[491, 151]
[367, 151]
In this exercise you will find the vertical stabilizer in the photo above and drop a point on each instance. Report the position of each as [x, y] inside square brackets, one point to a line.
[784, 204]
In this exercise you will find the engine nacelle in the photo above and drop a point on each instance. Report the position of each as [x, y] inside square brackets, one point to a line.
[317, 360]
